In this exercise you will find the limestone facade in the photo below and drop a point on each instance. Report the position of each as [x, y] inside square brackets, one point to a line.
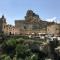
[5, 28]
[33, 24]
[54, 29]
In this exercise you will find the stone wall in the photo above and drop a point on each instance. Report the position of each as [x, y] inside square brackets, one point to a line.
[54, 29]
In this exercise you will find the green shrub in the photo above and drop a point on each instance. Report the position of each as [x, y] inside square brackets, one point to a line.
[11, 42]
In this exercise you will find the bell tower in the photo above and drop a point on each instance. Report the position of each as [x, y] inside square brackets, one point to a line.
[2, 23]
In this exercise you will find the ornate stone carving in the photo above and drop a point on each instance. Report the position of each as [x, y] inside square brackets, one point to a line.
[31, 16]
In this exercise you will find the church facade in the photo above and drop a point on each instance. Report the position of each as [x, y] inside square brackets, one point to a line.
[32, 24]
[5, 28]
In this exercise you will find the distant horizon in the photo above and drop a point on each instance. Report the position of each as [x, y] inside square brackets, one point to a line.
[48, 10]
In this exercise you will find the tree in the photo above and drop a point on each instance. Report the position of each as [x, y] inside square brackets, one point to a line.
[9, 47]
[22, 51]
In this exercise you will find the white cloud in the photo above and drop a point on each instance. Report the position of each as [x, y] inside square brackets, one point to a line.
[51, 19]
[55, 19]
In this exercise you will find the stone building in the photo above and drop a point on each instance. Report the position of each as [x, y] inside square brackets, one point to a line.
[10, 30]
[2, 24]
[5, 28]
[17, 31]
[53, 29]
[31, 24]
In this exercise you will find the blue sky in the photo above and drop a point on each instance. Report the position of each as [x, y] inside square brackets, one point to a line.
[16, 9]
